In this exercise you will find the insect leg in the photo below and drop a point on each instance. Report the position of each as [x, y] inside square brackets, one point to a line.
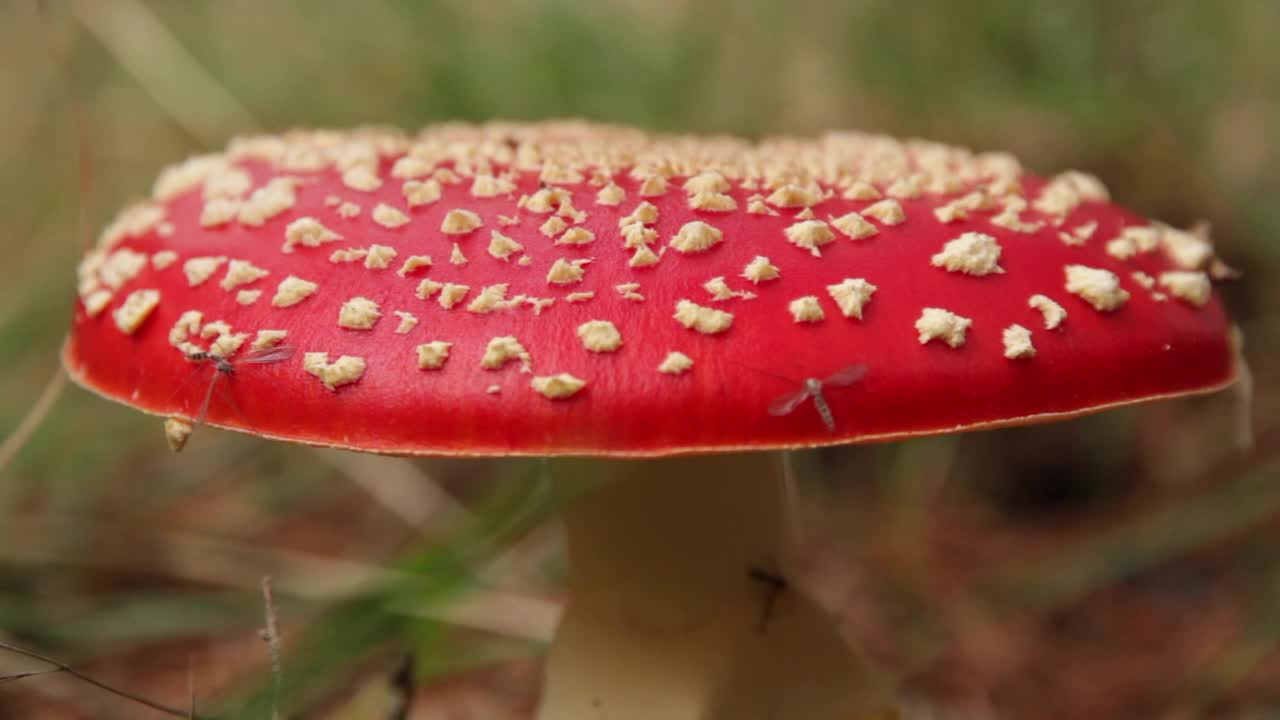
[208, 396]
[774, 584]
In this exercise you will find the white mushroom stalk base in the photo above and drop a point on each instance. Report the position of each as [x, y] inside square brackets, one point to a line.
[678, 604]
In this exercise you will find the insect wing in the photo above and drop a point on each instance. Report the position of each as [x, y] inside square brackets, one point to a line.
[847, 376]
[785, 404]
[266, 356]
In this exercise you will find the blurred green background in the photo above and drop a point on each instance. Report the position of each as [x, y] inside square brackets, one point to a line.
[1121, 566]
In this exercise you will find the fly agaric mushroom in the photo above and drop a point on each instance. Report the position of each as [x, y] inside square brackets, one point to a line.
[662, 308]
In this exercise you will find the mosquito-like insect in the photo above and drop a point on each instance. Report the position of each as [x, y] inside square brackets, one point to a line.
[225, 367]
[813, 389]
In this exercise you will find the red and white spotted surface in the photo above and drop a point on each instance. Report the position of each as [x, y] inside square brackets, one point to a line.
[654, 294]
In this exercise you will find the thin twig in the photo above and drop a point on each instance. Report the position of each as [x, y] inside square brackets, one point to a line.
[23, 675]
[191, 688]
[35, 416]
[271, 633]
[1242, 394]
[64, 668]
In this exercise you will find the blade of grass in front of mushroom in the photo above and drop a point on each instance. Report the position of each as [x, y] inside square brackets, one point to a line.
[126, 621]
[137, 629]
[1151, 538]
[328, 645]
[309, 578]
[332, 643]
[1257, 640]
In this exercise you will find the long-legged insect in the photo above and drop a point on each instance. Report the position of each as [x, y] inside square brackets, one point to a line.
[813, 387]
[225, 367]
[176, 430]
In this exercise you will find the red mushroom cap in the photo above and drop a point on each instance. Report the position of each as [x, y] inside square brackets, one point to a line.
[601, 291]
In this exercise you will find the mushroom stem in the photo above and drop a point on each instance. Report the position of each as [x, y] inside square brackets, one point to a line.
[679, 606]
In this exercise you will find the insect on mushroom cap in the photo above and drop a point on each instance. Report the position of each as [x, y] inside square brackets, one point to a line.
[827, 253]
